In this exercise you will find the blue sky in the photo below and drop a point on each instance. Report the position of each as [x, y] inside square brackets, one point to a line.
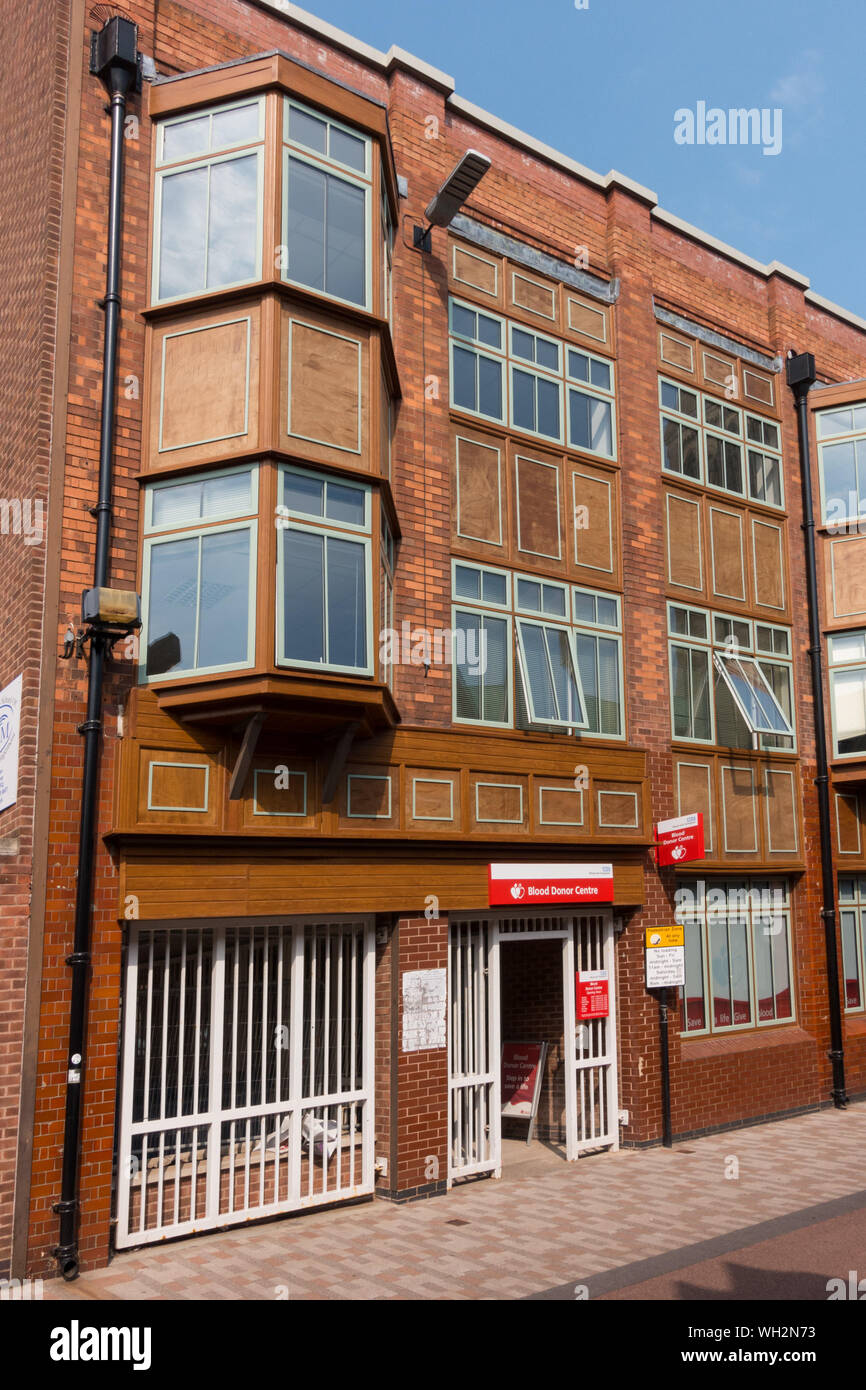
[602, 85]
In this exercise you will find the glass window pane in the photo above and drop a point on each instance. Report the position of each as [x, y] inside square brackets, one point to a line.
[609, 691]
[523, 344]
[741, 991]
[601, 434]
[229, 494]
[733, 467]
[553, 600]
[523, 400]
[600, 375]
[303, 494]
[607, 611]
[462, 321]
[348, 149]
[715, 463]
[303, 596]
[849, 709]
[346, 255]
[489, 331]
[467, 678]
[580, 431]
[173, 600]
[490, 387]
[548, 408]
[840, 480]
[467, 582]
[494, 588]
[689, 403]
[346, 503]
[565, 686]
[850, 959]
[494, 654]
[547, 355]
[223, 634]
[694, 1008]
[720, 983]
[701, 712]
[584, 607]
[784, 1001]
[670, 396]
[233, 224]
[176, 505]
[541, 694]
[463, 378]
[305, 224]
[185, 139]
[347, 603]
[182, 233]
[849, 646]
[308, 130]
[578, 367]
[529, 595]
[238, 126]
[763, 955]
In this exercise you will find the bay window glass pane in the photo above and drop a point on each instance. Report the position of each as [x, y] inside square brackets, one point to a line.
[599, 373]
[233, 222]
[224, 599]
[694, 1007]
[548, 408]
[348, 149]
[547, 355]
[670, 396]
[305, 224]
[302, 493]
[309, 130]
[523, 344]
[590, 423]
[720, 981]
[185, 139]
[303, 596]
[523, 400]
[176, 505]
[173, 597]
[490, 387]
[346, 241]
[489, 331]
[237, 126]
[180, 504]
[463, 390]
[838, 464]
[849, 709]
[347, 603]
[347, 504]
[741, 992]
[765, 478]
[183, 233]
[850, 959]
[229, 494]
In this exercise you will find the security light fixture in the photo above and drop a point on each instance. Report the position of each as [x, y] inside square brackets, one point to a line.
[459, 185]
[114, 612]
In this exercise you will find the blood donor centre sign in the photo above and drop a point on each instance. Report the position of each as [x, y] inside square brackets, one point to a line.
[665, 957]
[680, 840]
[522, 1067]
[592, 996]
[524, 885]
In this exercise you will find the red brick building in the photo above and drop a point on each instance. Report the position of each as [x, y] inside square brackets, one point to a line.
[478, 551]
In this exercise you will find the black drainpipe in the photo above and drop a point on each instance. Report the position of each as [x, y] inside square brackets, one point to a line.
[114, 60]
[801, 377]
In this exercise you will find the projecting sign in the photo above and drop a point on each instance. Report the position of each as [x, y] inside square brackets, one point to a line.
[665, 957]
[592, 996]
[524, 884]
[681, 839]
[10, 726]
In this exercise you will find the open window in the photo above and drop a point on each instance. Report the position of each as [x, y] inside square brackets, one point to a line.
[549, 675]
[752, 694]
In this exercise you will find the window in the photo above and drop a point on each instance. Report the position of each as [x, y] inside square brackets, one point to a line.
[852, 907]
[711, 442]
[738, 954]
[555, 392]
[387, 230]
[564, 646]
[842, 463]
[324, 615]
[731, 680]
[199, 574]
[386, 613]
[326, 205]
[208, 200]
[847, 664]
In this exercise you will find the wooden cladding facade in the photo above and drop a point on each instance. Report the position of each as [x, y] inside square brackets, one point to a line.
[751, 804]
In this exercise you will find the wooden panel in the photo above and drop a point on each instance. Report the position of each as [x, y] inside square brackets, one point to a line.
[769, 564]
[178, 788]
[676, 352]
[281, 791]
[558, 804]
[537, 507]
[739, 809]
[594, 519]
[848, 576]
[324, 403]
[587, 320]
[695, 793]
[433, 799]
[477, 490]
[719, 371]
[617, 806]
[726, 544]
[472, 268]
[684, 541]
[498, 804]
[369, 794]
[757, 386]
[848, 834]
[781, 802]
[533, 296]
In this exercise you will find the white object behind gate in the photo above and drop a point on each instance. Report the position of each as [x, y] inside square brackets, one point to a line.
[247, 1074]
[474, 1037]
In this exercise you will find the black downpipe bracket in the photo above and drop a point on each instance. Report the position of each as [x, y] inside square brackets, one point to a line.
[801, 377]
[114, 60]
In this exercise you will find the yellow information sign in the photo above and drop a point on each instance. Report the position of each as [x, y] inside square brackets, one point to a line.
[660, 937]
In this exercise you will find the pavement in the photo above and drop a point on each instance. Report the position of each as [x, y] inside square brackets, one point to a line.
[768, 1211]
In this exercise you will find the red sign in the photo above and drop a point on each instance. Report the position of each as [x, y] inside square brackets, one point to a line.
[524, 885]
[521, 1063]
[592, 999]
[681, 839]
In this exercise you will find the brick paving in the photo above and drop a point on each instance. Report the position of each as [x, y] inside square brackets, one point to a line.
[544, 1224]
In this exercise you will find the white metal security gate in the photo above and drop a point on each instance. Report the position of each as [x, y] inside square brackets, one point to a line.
[247, 1074]
[591, 1063]
[474, 1037]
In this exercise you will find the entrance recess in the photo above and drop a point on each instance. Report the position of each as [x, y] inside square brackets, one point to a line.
[475, 1042]
[247, 1074]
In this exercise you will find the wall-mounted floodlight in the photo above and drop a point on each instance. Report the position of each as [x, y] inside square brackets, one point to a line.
[460, 183]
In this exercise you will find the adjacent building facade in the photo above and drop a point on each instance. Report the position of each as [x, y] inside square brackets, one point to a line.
[483, 553]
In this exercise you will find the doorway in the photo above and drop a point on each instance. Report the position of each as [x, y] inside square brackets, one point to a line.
[579, 1088]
